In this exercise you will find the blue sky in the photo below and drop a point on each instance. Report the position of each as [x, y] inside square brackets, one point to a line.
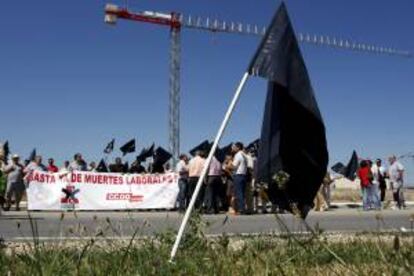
[69, 83]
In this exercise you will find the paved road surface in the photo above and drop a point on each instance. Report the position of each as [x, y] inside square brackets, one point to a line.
[50, 225]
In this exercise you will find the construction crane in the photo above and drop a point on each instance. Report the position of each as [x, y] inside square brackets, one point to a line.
[176, 21]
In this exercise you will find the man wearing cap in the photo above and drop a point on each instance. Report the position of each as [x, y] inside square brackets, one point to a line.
[15, 184]
[396, 175]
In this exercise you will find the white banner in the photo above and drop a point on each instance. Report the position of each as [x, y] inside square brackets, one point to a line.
[101, 191]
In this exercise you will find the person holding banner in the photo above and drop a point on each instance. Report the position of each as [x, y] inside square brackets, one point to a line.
[78, 164]
[35, 165]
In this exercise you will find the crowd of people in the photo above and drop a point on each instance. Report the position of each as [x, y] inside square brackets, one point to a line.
[373, 177]
[229, 185]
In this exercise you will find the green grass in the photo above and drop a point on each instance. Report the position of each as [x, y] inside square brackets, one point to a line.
[315, 254]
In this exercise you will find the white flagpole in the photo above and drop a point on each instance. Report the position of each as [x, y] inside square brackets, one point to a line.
[210, 156]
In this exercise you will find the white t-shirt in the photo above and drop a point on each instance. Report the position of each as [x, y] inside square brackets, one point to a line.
[375, 170]
[182, 169]
[240, 163]
[393, 171]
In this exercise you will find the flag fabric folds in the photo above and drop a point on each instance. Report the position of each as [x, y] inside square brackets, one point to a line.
[146, 153]
[110, 147]
[161, 156]
[293, 152]
[128, 147]
[5, 151]
[349, 171]
[203, 146]
[221, 153]
[339, 168]
[32, 155]
[351, 168]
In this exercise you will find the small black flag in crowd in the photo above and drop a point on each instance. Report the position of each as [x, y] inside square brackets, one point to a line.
[349, 171]
[146, 153]
[128, 147]
[221, 153]
[203, 147]
[339, 168]
[32, 155]
[102, 166]
[6, 151]
[293, 151]
[110, 147]
[161, 156]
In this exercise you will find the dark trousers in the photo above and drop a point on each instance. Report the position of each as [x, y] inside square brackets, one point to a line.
[239, 189]
[383, 189]
[212, 192]
[182, 194]
[192, 183]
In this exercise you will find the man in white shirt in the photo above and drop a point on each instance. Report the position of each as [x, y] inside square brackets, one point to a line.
[239, 175]
[374, 189]
[35, 165]
[182, 170]
[396, 176]
[378, 174]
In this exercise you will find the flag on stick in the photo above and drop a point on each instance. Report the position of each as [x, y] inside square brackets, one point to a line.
[6, 151]
[146, 153]
[110, 147]
[128, 147]
[32, 155]
[293, 151]
[349, 171]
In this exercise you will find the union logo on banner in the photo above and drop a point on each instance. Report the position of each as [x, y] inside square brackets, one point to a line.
[69, 200]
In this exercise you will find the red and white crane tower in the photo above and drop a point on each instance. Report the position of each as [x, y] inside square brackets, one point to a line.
[176, 21]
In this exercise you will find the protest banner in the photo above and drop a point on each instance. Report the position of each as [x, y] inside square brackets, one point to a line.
[101, 191]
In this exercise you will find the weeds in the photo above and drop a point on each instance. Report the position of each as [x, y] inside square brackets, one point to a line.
[288, 254]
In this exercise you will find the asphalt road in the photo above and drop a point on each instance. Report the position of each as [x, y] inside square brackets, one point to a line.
[15, 226]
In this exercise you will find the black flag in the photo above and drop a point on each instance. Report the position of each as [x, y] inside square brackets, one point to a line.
[32, 155]
[293, 153]
[203, 147]
[146, 153]
[339, 168]
[221, 153]
[110, 147]
[102, 166]
[349, 171]
[128, 147]
[6, 151]
[352, 167]
[161, 156]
